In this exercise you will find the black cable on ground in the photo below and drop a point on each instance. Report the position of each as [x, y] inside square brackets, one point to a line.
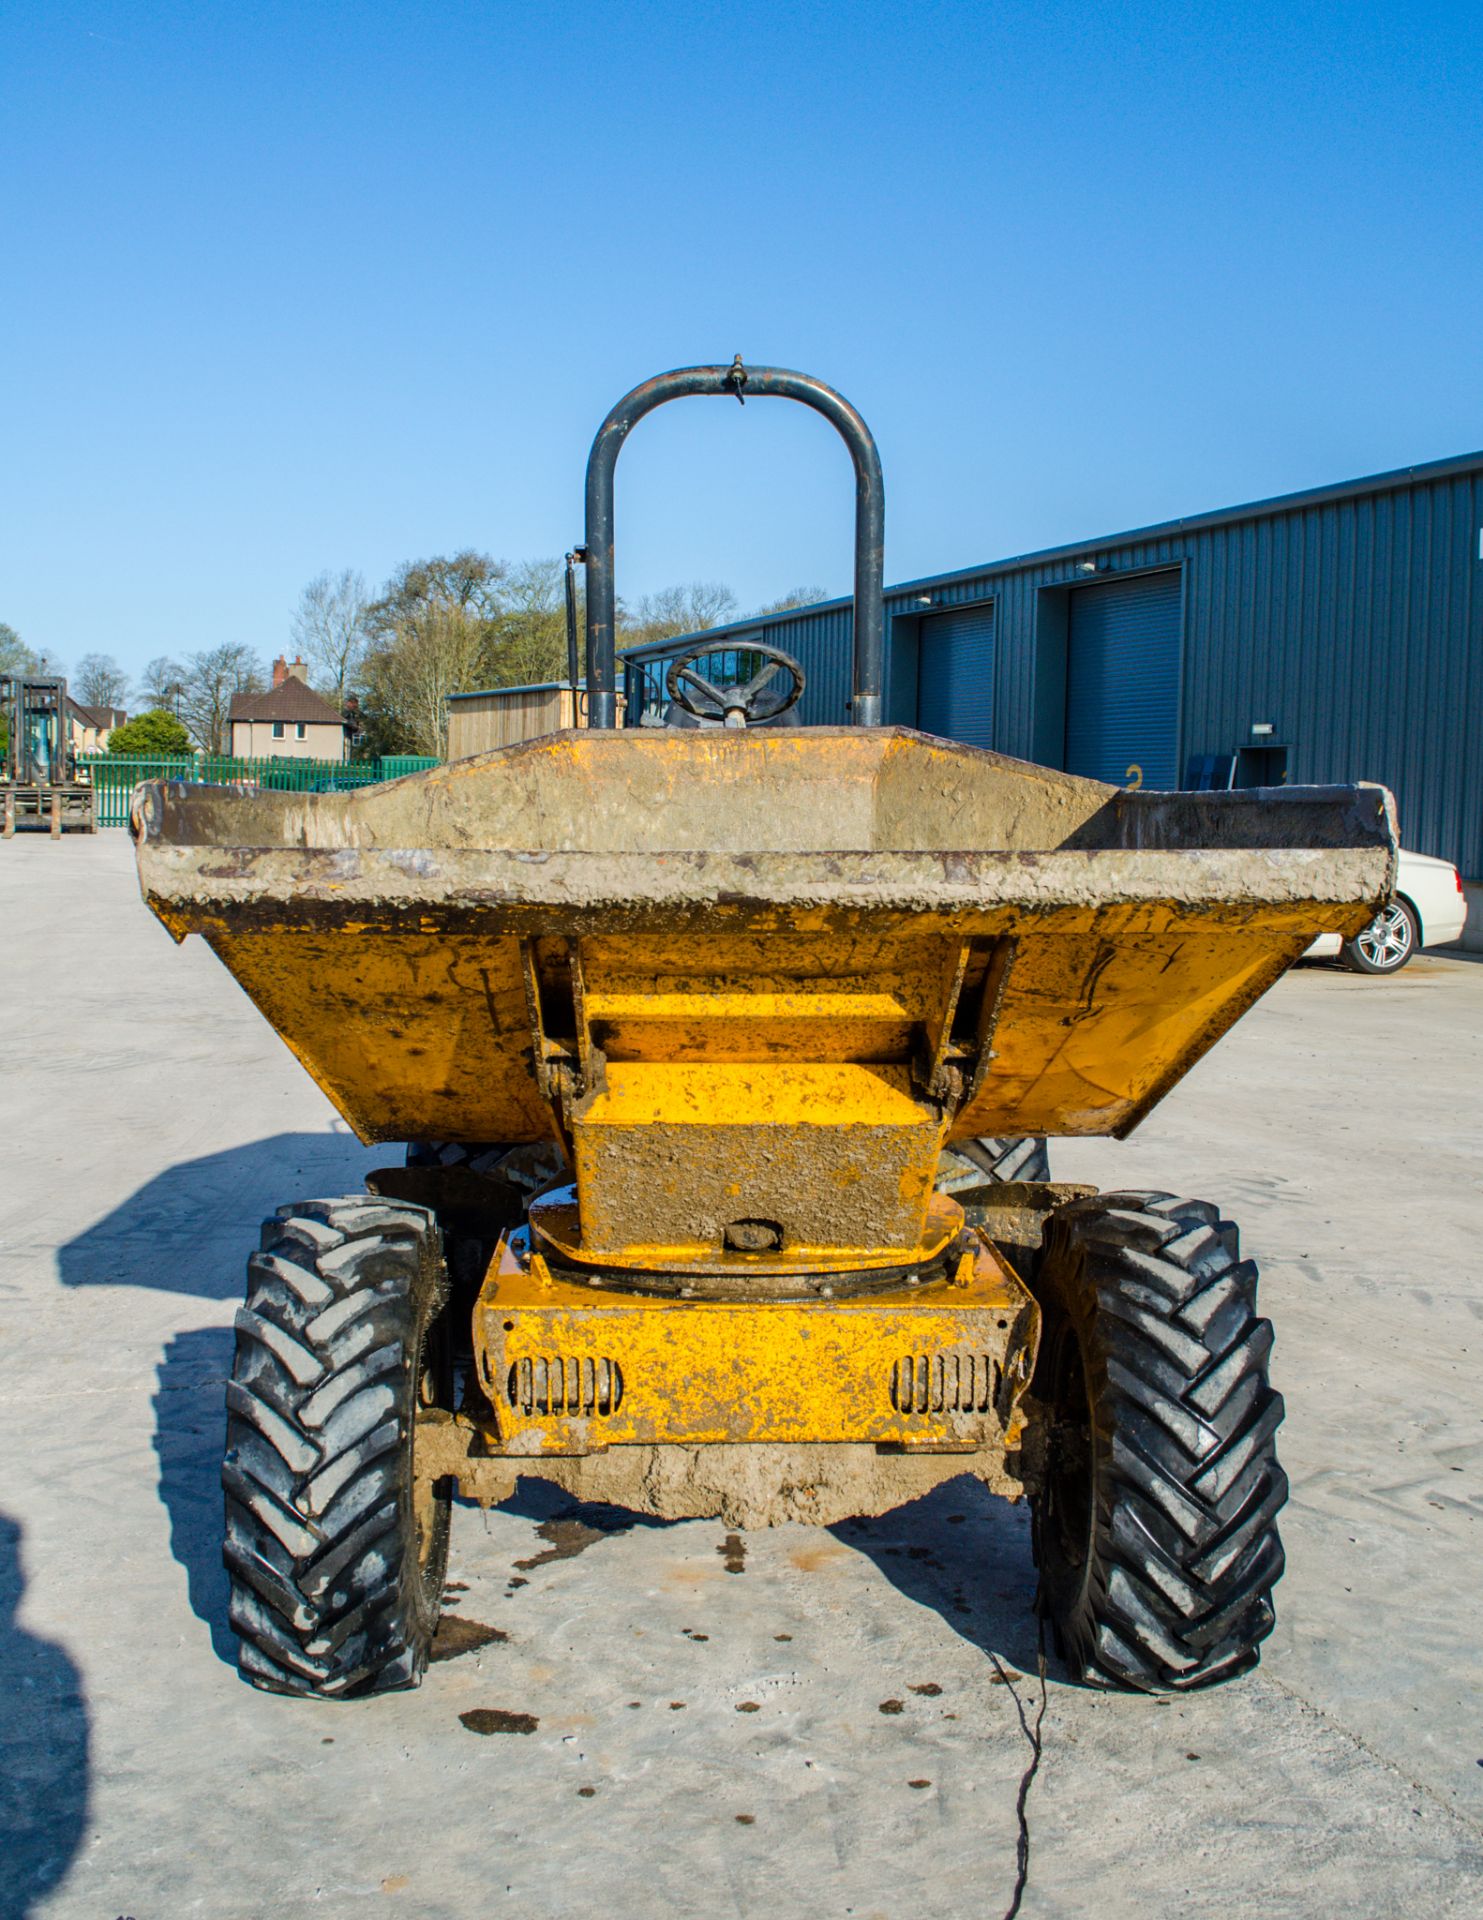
[1032, 1734]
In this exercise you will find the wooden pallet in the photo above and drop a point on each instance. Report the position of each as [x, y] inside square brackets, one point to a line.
[62, 809]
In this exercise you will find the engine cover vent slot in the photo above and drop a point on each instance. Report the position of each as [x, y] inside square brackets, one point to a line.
[944, 1383]
[550, 1383]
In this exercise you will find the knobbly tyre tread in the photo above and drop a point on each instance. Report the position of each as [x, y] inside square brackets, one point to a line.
[329, 1595]
[515, 1174]
[477, 1157]
[1021, 1157]
[1176, 1591]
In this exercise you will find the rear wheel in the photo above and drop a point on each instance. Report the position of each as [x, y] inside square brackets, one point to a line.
[1387, 943]
[481, 1157]
[1155, 1528]
[970, 1163]
[336, 1553]
[485, 1193]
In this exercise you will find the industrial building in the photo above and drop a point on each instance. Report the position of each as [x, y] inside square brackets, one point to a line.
[1331, 635]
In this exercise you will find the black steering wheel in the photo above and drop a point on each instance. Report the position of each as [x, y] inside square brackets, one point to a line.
[751, 705]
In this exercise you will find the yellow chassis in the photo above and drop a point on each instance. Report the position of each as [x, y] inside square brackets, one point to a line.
[572, 1367]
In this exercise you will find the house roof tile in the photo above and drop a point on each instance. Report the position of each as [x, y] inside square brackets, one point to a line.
[103, 718]
[292, 701]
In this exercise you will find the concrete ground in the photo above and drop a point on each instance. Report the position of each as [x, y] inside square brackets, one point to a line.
[792, 1723]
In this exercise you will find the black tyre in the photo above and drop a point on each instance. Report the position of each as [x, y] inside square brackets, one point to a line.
[1155, 1529]
[486, 1193]
[524, 1170]
[336, 1557]
[1387, 943]
[970, 1163]
[455, 1153]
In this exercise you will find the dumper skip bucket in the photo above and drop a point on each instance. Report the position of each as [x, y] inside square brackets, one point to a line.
[756, 974]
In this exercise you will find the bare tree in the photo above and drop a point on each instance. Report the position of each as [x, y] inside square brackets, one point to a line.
[795, 597]
[329, 627]
[530, 640]
[674, 611]
[434, 631]
[468, 580]
[456, 622]
[99, 681]
[162, 684]
[211, 679]
[408, 680]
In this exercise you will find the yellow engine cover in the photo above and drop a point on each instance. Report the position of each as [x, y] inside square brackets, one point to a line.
[572, 1368]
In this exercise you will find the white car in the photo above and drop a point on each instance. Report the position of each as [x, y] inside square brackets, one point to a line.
[1429, 910]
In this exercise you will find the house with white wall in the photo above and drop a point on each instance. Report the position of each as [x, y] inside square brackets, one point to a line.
[289, 721]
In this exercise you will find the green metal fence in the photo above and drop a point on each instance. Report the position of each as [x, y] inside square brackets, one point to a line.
[114, 776]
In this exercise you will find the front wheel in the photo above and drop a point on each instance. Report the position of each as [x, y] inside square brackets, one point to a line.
[1387, 943]
[336, 1550]
[1155, 1525]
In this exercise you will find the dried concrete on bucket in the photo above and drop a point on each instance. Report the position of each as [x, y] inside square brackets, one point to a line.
[669, 1720]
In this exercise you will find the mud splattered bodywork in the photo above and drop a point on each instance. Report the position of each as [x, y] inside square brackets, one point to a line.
[752, 983]
[679, 1025]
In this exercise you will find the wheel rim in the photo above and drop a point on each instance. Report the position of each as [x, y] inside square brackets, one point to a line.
[1386, 941]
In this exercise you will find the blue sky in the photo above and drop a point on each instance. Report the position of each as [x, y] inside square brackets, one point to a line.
[293, 287]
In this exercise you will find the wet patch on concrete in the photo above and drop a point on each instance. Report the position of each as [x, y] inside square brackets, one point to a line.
[456, 1636]
[498, 1720]
[733, 1550]
[575, 1530]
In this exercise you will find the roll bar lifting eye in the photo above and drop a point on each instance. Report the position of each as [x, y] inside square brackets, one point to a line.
[744, 383]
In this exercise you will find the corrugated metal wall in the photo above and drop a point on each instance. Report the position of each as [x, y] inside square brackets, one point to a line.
[1356, 629]
[1351, 621]
[821, 644]
[955, 674]
[1122, 680]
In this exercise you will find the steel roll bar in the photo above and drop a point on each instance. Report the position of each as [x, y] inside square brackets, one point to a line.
[740, 383]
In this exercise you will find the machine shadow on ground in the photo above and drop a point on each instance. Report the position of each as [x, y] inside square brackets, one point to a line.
[965, 1553]
[189, 1231]
[189, 1436]
[191, 1228]
[44, 1750]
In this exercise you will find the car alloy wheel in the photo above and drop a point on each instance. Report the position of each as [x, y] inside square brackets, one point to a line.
[1387, 943]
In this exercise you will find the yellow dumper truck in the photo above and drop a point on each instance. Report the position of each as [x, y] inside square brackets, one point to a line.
[696, 1032]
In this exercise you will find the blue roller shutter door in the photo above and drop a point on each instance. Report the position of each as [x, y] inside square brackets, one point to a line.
[1122, 681]
[955, 675]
